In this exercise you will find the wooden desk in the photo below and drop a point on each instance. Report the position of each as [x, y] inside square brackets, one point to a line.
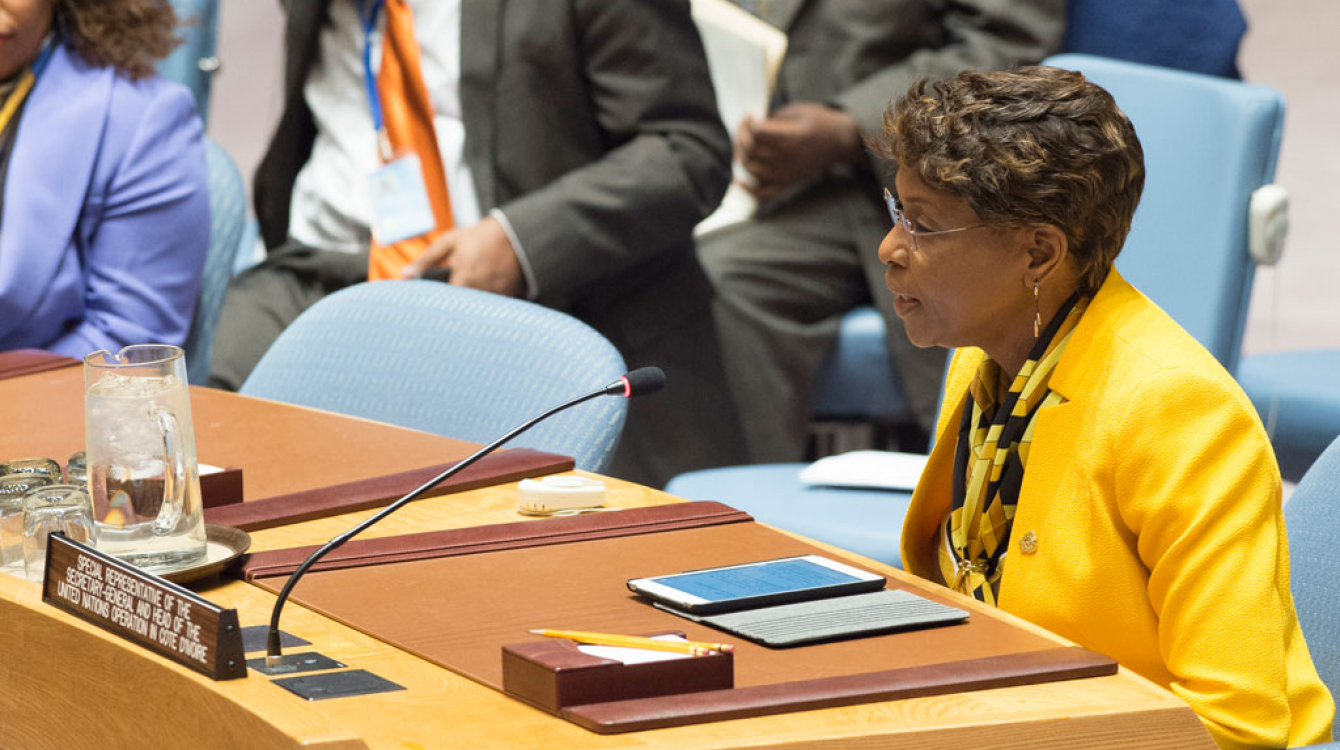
[64, 683]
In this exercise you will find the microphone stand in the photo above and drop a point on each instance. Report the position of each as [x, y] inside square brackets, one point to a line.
[274, 652]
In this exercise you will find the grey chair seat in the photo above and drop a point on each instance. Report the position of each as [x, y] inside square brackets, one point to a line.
[1312, 517]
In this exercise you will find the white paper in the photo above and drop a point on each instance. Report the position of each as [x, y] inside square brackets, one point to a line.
[874, 469]
[743, 53]
[738, 205]
[635, 655]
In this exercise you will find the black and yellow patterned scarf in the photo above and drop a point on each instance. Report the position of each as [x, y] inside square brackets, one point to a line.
[991, 457]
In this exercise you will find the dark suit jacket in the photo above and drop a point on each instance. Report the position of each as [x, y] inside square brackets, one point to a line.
[859, 55]
[591, 124]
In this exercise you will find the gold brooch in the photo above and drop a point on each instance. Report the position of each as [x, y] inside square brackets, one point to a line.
[1028, 543]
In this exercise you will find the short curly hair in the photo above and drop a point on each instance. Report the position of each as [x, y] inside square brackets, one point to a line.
[1031, 146]
[129, 35]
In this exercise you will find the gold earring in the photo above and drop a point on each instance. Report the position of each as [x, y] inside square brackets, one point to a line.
[1037, 311]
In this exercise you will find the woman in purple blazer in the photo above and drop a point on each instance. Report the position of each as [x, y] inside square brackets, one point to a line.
[104, 209]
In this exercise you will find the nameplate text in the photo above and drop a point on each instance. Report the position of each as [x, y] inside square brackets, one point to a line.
[146, 609]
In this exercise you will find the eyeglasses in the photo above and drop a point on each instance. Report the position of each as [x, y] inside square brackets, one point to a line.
[896, 213]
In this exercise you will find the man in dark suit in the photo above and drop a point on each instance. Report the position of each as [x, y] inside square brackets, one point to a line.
[581, 144]
[785, 278]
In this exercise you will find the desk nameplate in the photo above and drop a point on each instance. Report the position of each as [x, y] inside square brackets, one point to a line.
[155, 613]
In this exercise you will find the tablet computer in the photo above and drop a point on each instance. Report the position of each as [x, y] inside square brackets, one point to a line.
[738, 587]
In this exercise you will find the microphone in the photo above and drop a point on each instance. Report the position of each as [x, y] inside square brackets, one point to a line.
[640, 382]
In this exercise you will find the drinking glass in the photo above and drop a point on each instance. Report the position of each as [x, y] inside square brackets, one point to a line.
[140, 445]
[13, 488]
[76, 469]
[45, 467]
[55, 507]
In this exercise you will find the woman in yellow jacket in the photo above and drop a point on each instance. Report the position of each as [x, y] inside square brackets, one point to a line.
[1096, 471]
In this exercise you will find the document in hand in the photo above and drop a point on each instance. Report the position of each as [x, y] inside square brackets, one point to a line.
[743, 54]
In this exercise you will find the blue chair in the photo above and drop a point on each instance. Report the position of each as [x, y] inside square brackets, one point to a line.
[452, 361]
[1209, 144]
[249, 252]
[1201, 36]
[1295, 393]
[227, 218]
[857, 381]
[194, 62]
[1312, 517]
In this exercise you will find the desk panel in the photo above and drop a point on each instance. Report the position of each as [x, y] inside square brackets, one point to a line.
[64, 683]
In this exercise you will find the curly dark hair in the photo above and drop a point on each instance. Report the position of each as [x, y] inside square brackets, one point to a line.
[129, 35]
[1026, 147]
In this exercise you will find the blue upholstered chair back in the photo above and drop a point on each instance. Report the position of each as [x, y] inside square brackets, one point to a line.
[1295, 394]
[227, 217]
[452, 361]
[1208, 143]
[1197, 35]
[1312, 516]
[194, 61]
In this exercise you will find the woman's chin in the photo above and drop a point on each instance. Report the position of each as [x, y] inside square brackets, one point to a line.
[910, 311]
[923, 343]
[919, 336]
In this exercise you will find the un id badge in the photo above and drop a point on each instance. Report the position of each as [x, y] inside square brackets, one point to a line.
[400, 207]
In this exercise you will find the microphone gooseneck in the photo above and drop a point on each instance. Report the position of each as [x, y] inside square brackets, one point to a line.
[639, 382]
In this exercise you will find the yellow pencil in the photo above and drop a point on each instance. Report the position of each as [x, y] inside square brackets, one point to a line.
[696, 648]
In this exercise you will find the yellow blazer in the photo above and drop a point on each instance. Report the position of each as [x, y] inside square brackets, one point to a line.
[1154, 498]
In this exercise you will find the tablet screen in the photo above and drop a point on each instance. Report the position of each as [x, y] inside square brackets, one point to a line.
[756, 580]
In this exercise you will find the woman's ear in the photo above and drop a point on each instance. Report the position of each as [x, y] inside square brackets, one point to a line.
[1048, 252]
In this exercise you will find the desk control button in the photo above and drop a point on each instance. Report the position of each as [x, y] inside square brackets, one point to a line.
[1028, 543]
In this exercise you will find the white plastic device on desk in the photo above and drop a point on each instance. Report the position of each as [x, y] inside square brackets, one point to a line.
[561, 494]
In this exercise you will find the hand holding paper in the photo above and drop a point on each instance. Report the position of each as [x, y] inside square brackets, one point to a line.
[796, 145]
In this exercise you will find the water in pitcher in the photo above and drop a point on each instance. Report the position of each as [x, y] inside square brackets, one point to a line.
[144, 481]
